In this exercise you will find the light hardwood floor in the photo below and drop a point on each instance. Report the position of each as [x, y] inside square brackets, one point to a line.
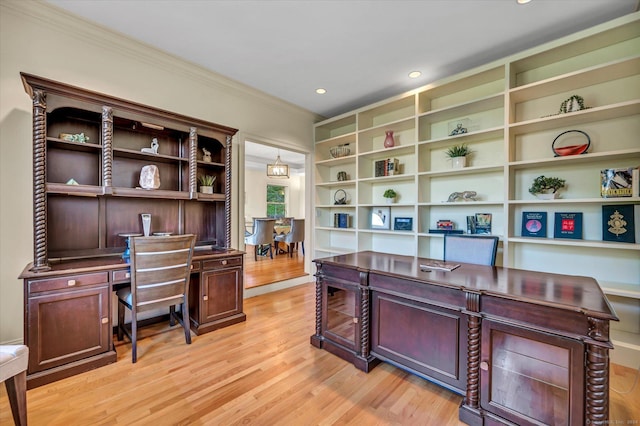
[264, 372]
[266, 270]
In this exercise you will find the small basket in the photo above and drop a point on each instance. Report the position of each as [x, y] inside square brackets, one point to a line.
[340, 151]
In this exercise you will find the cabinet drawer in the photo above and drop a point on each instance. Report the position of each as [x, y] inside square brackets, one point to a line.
[122, 275]
[71, 281]
[221, 263]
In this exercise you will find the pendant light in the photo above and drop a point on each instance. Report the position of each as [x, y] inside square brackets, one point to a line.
[278, 169]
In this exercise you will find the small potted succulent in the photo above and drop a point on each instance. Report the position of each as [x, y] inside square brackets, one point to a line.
[546, 187]
[390, 195]
[458, 155]
[206, 183]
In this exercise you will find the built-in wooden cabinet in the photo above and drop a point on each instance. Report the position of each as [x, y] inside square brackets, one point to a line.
[510, 110]
[89, 150]
[216, 294]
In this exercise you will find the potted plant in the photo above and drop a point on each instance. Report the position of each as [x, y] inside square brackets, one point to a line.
[458, 155]
[390, 195]
[546, 187]
[206, 183]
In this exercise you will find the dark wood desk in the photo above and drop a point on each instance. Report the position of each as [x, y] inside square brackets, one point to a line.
[68, 323]
[523, 347]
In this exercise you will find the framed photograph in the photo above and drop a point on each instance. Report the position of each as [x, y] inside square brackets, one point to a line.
[380, 217]
[403, 224]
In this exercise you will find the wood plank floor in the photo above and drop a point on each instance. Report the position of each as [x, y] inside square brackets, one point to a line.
[262, 372]
[266, 270]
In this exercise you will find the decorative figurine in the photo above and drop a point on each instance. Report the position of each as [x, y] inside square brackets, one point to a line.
[459, 130]
[77, 137]
[464, 196]
[154, 147]
[206, 157]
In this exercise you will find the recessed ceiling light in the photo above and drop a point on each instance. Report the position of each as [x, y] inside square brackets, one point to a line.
[321, 91]
[523, 1]
[415, 74]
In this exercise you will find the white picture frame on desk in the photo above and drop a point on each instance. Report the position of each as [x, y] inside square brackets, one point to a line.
[380, 218]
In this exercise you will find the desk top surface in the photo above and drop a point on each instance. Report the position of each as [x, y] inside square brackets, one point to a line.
[115, 262]
[565, 291]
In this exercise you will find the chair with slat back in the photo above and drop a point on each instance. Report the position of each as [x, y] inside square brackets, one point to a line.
[160, 271]
[294, 236]
[478, 249]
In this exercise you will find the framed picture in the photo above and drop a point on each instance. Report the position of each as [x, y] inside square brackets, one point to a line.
[403, 224]
[380, 217]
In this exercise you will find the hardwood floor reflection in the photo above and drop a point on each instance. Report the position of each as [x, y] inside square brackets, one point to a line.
[266, 270]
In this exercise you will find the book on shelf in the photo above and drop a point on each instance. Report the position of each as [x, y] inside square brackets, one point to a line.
[534, 224]
[446, 231]
[621, 223]
[483, 223]
[620, 182]
[471, 224]
[387, 167]
[568, 225]
[341, 220]
[439, 265]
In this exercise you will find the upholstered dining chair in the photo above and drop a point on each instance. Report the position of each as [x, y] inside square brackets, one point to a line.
[478, 249]
[262, 235]
[294, 236]
[14, 360]
[160, 272]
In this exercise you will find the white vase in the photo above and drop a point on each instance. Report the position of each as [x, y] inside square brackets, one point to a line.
[458, 162]
[391, 200]
[206, 189]
[547, 196]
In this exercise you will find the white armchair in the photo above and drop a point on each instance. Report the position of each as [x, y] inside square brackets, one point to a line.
[262, 235]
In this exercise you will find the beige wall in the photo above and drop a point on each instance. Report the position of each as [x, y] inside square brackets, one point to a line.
[39, 39]
[255, 203]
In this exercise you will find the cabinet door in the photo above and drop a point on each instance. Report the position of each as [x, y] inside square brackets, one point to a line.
[531, 378]
[340, 320]
[221, 294]
[67, 326]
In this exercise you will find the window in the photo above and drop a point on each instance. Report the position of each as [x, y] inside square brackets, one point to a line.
[276, 201]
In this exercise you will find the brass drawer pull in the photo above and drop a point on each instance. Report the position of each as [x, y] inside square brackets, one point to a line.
[224, 262]
[205, 297]
[484, 365]
[104, 320]
[71, 283]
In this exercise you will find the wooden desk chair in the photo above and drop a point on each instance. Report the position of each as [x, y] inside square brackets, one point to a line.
[478, 249]
[262, 235]
[160, 271]
[294, 236]
[14, 360]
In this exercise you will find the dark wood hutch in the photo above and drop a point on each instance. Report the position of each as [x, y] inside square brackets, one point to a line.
[522, 347]
[86, 196]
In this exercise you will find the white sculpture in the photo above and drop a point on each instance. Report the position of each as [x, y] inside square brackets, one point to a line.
[150, 177]
[206, 157]
[154, 147]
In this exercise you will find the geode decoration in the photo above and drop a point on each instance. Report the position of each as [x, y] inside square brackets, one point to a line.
[150, 177]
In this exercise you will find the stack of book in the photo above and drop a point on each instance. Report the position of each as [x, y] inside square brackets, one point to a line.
[341, 220]
[388, 167]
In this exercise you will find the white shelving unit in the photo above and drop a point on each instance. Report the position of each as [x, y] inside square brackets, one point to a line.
[508, 107]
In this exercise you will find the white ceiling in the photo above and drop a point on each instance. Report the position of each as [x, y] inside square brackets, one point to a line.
[360, 51]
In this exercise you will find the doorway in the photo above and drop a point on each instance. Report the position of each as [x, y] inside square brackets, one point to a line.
[278, 197]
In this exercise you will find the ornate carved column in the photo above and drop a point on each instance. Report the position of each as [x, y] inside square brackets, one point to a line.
[193, 161]
[107, 146]
[597, 374]
[40, 259]
[365, 343]
[319, 278]
[473, 350]
[227, 193]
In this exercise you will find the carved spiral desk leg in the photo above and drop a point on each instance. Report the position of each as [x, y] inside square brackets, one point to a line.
[364, 326]
[40, 260]
[597, 408]
[319, 301]
[473, 361]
